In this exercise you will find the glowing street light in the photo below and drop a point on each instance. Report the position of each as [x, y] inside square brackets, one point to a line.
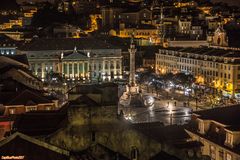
[171, 113]
[128, 117]
[149, 101]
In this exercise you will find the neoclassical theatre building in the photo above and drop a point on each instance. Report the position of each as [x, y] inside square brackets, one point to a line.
[84, 58]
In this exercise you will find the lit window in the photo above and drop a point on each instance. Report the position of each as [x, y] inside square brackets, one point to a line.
[212, 153]
[12, 111]
[48, 108]
[31, 108]
[201, 126]
[229, 157]
[229, 138]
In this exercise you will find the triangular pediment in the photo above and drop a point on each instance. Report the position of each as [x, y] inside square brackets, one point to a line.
[76, 55]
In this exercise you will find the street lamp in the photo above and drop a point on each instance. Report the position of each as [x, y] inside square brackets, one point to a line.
[171, 114]
[196, 102]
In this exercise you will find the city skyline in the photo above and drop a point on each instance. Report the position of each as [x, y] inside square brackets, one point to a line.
[119, 80]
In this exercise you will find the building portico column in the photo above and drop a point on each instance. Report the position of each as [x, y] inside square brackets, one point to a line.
[115, 67]
[68, 74]
[78, 71]
[109, 69]
[62, 68]
[43, 70]
[36, 69]
[73, 71]
[103, 66]
[84, 75]
[120, 69]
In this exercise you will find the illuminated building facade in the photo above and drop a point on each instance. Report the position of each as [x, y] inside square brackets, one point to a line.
[105, 66]
[19, 104]
[216, 68]
[112, 16]
[7, 45]
[90, 58]
[220, 37]
[75, 65]
[184, 26]
[20, 21]
[147, 32]
[185, 4]
[101, 66]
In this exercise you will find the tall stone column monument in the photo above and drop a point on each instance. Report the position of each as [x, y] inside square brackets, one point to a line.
[133, 88]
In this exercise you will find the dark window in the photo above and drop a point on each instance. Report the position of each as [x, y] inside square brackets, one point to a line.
[70, 68]
[93, 136]
[86, 67]
[75, 67]
[106, 66]
[112, 75]
[112, 66]
[65, 68]
[221, 154]
[134, 153]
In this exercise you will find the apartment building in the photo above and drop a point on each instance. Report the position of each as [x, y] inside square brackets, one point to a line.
[213, 67]
[218, 131]
[184, 26]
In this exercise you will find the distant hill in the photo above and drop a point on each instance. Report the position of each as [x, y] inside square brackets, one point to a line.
[8, 5]
[21, 1]
[230, 2]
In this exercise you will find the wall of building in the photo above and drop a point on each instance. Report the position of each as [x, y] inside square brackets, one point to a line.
[20, 109]
[221, 75]
[194, 44]
[214, 150]
[105, 129]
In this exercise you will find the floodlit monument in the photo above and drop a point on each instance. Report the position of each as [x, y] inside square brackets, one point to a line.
[132, 86]
[132, 97]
